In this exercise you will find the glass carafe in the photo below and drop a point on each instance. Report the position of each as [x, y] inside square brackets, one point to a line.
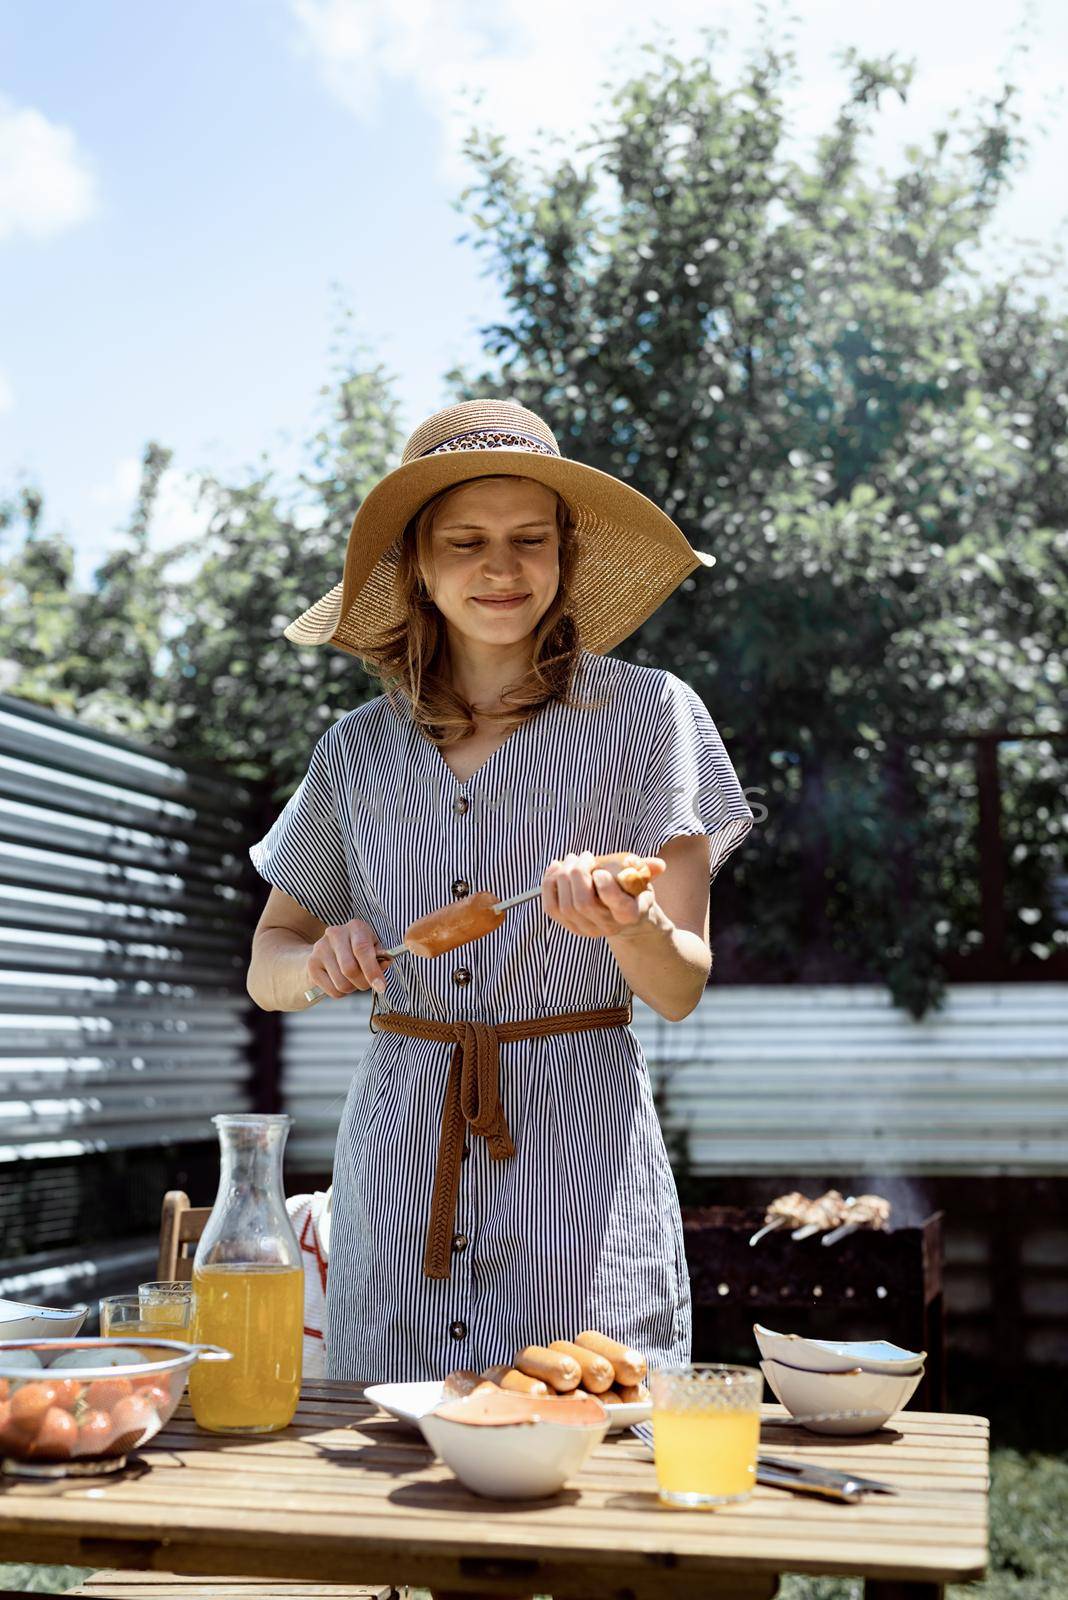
[248, 1286]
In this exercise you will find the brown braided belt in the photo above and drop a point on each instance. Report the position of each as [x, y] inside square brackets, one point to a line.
[472, 1097]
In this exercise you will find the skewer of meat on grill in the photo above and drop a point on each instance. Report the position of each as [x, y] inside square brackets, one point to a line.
[862, 1211]
[785, 1212]
[826, 1212]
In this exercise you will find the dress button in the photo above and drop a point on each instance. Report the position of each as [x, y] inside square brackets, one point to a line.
[459, 1243]
[460, 888]
[459, 805]
[465, 1152]
[458, 1330]
[462, 975]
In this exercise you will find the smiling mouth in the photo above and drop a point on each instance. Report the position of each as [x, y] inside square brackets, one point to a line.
[487, 600]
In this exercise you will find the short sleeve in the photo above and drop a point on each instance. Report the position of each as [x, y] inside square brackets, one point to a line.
[689, 786]
[304, 852]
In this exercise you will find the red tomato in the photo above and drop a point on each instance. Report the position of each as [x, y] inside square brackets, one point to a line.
[134, 1421]
[56, 1436]
[104, 1393]
[67, 1392]
[157, 1395]
[29, 1404]
[95, 1433]
[9, 1434]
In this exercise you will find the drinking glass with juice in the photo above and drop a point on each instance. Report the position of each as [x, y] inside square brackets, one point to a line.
[166, 1308]
[248, 1287]
[706, 1432]
[120, 1317]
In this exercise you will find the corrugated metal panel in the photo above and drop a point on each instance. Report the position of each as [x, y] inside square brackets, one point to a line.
[126, 906]
[796, 1079]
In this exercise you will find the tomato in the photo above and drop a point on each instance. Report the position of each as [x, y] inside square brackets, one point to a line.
[67, 1392]
[95, 1433]
[56, 1436]
[104, 1393]
[9, 1434]
[29, 1404]
[157, 1396]
[134, 1421]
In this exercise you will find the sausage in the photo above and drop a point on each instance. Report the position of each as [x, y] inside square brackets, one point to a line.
[610, 1398]
[494, 1374]
[522, 1383]
[629, 1365]
[459, 923]
[562, 1371]
[597, 1373]
[630, 1392]
[457, 1384]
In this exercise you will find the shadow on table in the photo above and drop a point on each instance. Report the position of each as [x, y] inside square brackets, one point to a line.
[797, 1437]
[441, 1496]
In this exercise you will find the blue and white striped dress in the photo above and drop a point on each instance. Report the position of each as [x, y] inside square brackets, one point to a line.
[581, 1227]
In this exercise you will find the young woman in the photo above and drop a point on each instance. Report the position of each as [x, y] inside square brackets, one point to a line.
[500, 1177]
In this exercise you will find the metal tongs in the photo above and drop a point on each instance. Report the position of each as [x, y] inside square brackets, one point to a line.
[801, 1477]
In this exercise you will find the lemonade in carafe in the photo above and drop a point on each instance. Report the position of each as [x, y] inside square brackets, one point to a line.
[248, 1286]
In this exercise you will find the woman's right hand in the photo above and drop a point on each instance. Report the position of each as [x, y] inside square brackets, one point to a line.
[347, 958]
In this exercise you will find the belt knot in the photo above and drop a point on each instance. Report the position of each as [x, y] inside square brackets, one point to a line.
[472, 1098]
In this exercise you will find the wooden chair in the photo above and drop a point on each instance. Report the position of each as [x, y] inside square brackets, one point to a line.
[180, 1228]
[179, 1234]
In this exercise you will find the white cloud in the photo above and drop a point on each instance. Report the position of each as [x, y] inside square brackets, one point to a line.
[7, 394]
[46, 183]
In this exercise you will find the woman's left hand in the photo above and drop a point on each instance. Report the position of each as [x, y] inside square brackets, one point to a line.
[591, 903]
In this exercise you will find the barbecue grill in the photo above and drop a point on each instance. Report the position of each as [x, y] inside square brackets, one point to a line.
[881, 1283]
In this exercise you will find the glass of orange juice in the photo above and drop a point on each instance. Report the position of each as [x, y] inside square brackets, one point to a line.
[167, 1307]
[120, 1317]
[706, 1430]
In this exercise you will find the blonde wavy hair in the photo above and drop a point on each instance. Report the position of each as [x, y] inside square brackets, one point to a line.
[414, 659]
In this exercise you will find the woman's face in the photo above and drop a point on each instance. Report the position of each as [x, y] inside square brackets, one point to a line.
[495, 537]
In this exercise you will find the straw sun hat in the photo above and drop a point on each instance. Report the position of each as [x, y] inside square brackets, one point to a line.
[631, 556]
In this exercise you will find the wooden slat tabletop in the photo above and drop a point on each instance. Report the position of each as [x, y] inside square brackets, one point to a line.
[347, 1494]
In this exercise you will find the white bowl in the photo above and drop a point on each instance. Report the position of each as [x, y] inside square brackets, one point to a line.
[515, 1461]
[878, 1395]
[18, 1321]
[838, 1355]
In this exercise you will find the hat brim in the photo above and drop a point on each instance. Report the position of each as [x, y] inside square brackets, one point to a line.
[631, 555]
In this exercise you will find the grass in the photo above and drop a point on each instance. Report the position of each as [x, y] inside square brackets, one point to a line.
[1028, 1543]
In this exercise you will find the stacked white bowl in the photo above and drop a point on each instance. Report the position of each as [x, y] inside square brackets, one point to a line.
[19, 1321]
[838, 1386]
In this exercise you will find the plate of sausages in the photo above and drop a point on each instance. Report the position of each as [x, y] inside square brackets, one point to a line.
[591, 1364]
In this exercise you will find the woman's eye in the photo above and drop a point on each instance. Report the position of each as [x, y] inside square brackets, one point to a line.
[471, 543]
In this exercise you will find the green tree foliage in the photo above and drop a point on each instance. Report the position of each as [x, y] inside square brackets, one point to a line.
[197, 663]
[796, 360]
[795, 357]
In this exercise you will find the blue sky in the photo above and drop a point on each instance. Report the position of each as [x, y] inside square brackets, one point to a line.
[182, 187]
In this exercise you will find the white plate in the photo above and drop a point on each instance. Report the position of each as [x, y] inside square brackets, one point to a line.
[410, 1401]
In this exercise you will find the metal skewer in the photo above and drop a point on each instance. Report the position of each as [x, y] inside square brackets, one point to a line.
[840, 1233]
[769, 1227]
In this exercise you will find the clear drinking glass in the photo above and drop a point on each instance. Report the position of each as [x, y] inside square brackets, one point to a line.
[120, 1317]
[706, 1431]
[167, 1307]
[248, 1286]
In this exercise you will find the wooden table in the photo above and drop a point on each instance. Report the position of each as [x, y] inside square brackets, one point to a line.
[347, 1494]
